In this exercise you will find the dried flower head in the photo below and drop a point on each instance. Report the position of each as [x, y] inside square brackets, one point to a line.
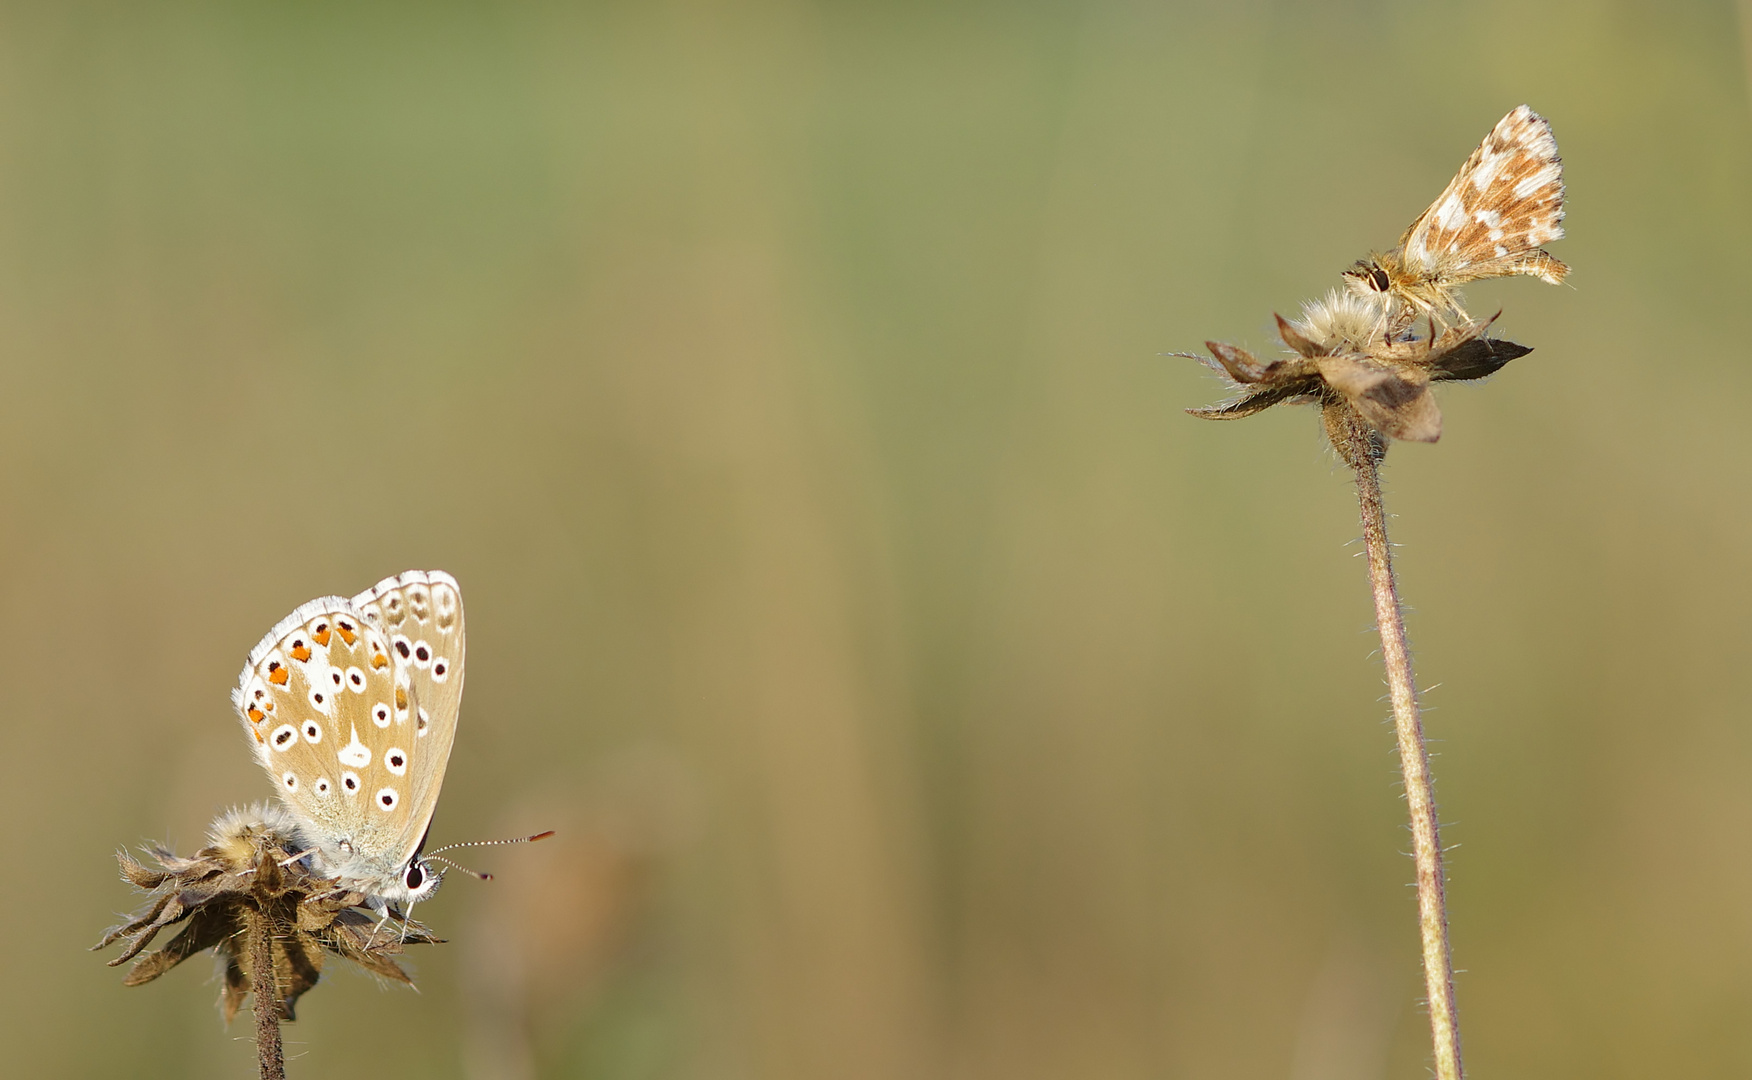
[1365, 378]
[247, 883]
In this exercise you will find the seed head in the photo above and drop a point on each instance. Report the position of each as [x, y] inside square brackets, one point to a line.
[250, 877]
[1344, 359]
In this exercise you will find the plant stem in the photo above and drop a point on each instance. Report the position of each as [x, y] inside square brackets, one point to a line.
[264, 986]
[1426, 844]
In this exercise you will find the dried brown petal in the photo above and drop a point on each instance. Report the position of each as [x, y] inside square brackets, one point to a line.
[1475, 359]
[1238, 362]
[1295, 339]
[1397, 403]
[1257, 400]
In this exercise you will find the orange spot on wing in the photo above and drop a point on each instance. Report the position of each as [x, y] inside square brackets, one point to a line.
[346, 632]
[278, 676]
[401, 698]
[322, 637]
[379, 661]
[301, 652]
[257, 716]
[257, 734]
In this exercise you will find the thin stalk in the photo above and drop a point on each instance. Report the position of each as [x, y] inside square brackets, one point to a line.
[1414, 762]
[264, 986]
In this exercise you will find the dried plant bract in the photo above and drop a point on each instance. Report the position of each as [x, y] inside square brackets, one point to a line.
[249, 897]
[1343, 359]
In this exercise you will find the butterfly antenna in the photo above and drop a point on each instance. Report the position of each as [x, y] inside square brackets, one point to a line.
[491, 843]
[476, 874]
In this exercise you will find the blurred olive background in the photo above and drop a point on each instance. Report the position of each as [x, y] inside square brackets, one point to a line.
[917, 692]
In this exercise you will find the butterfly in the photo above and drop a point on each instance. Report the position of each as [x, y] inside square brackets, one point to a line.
[1490, 221]
[351, 707]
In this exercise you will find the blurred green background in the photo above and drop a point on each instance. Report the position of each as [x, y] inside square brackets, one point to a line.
[917, 692]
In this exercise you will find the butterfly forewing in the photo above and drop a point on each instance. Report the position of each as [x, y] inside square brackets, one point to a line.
[1506, 201]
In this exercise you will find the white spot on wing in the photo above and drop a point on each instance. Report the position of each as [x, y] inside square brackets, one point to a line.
[1528, 185]
[1486, 171]
[355, 753]
[1451, 214]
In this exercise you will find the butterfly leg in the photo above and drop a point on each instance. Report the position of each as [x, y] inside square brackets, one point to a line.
[382, 909]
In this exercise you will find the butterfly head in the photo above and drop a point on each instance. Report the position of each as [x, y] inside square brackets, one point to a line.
[419, 880]
[1367, 278]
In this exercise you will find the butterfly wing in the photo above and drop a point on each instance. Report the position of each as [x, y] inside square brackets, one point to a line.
[1504, 203]
[317, 697]
[352, 711]
[419, 615]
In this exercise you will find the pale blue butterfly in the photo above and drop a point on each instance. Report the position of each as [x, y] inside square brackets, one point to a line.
[351, 706]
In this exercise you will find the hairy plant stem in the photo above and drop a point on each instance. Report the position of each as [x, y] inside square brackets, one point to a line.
[264, 987]
[1414, 761]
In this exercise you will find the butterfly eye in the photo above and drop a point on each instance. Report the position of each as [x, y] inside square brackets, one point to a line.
[415, 877]
[1378, 278]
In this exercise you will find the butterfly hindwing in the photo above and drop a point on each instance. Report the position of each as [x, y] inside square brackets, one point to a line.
[419, 614]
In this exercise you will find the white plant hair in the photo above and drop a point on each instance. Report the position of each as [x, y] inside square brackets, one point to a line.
[1344, 321]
